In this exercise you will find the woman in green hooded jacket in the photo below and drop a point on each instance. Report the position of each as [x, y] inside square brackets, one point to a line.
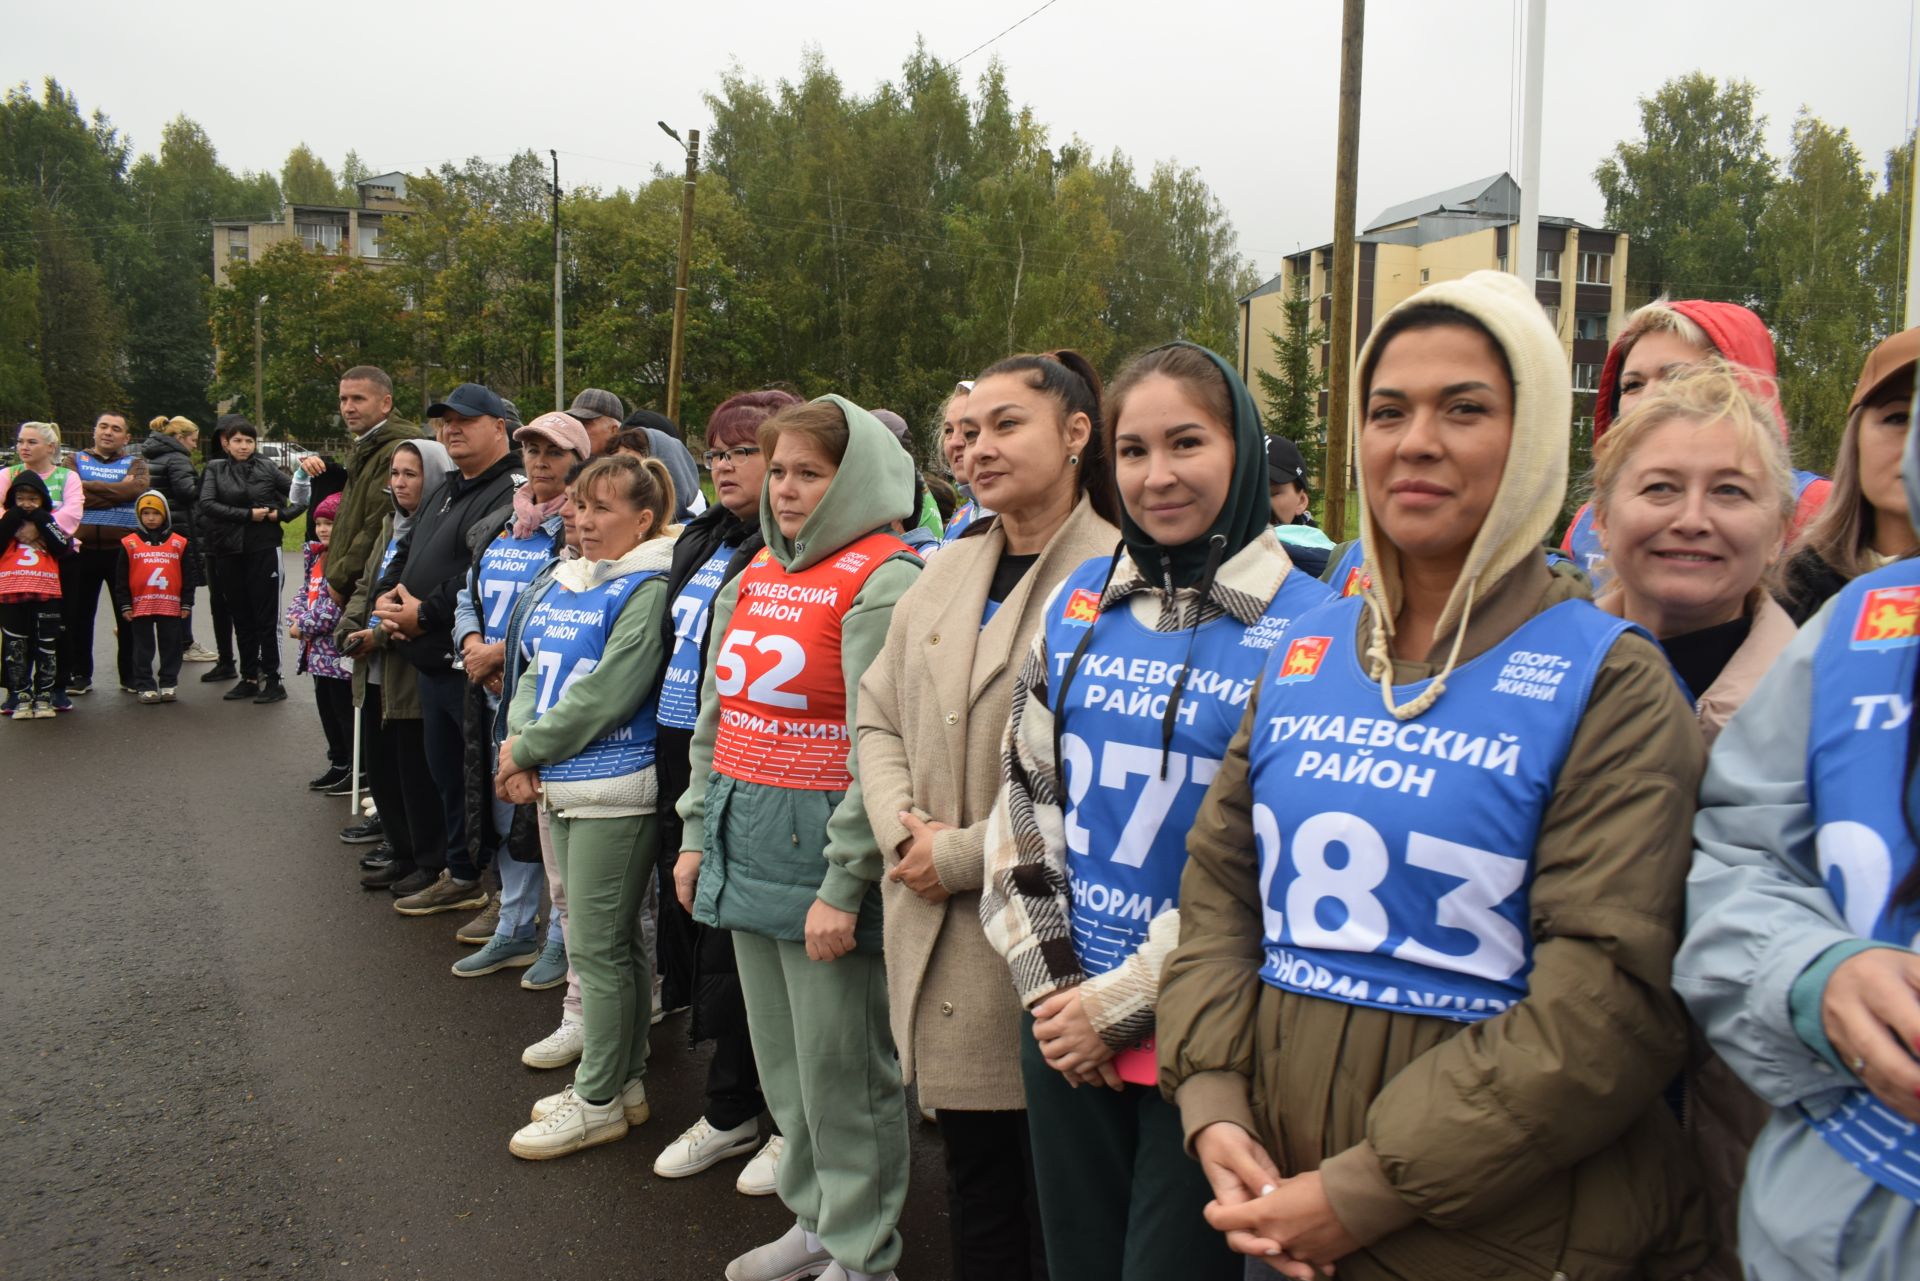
[778, 848]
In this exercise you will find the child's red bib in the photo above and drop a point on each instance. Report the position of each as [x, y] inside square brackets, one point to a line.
[155, 575]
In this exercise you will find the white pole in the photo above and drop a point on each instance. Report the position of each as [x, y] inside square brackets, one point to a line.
[1527, 233]
[353, 797]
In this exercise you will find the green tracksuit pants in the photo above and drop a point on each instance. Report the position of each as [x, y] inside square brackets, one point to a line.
[606, 864]
[824, 1046]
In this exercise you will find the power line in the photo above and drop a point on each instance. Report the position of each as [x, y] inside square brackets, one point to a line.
[984, 43]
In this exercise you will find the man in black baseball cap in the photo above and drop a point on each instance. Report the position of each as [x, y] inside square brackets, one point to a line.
[1293, 522]
[469, 400]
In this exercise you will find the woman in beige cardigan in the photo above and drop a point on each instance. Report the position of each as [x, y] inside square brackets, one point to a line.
[932, 711]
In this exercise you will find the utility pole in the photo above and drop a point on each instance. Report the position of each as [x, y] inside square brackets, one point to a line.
[559, 326]
[1526, 244]
[680, 275]
[259, 376]
[1913, 237]
[1346, 174]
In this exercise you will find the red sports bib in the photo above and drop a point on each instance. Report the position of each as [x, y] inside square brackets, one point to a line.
[29, 571]
[783, 700]
[154, 574]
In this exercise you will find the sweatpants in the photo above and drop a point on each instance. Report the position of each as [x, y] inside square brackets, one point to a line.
[396, 766]
[1119, 1196]
[30, 648]
[222, 616]
[155, 636]
[333, 697]
[993, 1216]
[251, 583]
[83, 576]
[605, 864]
[827, 1068]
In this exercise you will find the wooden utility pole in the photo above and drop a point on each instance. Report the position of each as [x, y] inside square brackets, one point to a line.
[1913, 237]
[559, 320]
[1345, 181]
[680, 275]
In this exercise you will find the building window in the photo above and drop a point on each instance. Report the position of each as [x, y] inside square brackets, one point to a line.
[1500, 264]
[1426, 273]
[236, 244]
[1553, 314]
[1595, 269]
[1590, 324]
[369, 240]
[319, 237]
[1549, 264]
[1586, 377]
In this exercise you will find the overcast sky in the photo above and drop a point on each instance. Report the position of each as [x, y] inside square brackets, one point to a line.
[1245, 90]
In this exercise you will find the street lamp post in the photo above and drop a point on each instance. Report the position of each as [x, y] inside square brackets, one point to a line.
[680, 274]
[259, 378]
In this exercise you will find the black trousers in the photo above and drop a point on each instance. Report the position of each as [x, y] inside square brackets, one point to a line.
[30, 648]
[992, 1210]
[161, 637]
[251, 583]
[83, 576]
[333, 695]
[222, 616]
[443, 721]
[395, 759]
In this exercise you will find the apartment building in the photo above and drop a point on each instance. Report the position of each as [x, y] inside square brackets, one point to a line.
[1579, 277]
[331, 229]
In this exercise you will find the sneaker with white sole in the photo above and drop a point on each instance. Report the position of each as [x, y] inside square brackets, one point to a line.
[702, 1147]
[632, 1101]
[499, 953]
[788, 1259]
[569, 1126]
[199, 654]
[839, 1272]
[558, 1048]
[551, 969]
[762, 1175]
[444, 894]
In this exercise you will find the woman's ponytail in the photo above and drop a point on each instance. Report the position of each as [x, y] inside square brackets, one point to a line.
[664, 501]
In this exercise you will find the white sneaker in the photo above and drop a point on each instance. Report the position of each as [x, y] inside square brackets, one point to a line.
[199, 654]
[837, 1272]
[570, 1126]
[762, 1175]
[788, 1259]
[632, 1100]
[703, 1147]
[559, 1048]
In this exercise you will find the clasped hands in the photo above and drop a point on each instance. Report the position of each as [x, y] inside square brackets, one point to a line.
[515, 784]
[1286, 1223]
[399, 612]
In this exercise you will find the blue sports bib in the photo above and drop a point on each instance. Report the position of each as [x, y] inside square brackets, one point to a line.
[1396, 857]
[680, 686]
[1126, 824]
[92, 469]
[565, 638]
[507, 567]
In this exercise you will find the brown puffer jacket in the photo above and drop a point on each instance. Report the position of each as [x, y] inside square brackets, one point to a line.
[1534, 1144]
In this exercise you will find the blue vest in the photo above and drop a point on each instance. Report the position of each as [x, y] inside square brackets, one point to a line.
[1396, 857]
[506, 567]
[1856, 781]
[565, 637]
[963, 516]
[92, 469]
[1583, 543]
[680, 686]
[1126, 825]
[1348, 571]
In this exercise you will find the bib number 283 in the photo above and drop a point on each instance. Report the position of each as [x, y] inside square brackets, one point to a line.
[1322, 888]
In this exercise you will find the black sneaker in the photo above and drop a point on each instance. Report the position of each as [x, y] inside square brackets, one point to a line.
[218, 672]
[365, 833]
[271, 691]
[245, 689]
[345, 786]
[334, 774]
[378, 857]
[385, 878]
[413, 882]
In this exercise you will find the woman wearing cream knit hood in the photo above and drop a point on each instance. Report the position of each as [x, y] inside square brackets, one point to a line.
[1419, 1021]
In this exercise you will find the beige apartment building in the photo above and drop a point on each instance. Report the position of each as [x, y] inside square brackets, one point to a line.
[1579, 277]
[355, 230]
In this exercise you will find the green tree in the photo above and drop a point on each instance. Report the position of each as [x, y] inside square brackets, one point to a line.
[1691, 189]
[306, 179]
[1292, 394]
[23, 387]
[1813, 242]
[79, 326]
[1888, 230]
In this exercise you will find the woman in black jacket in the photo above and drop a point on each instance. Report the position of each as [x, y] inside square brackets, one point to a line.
[696, 963]
[244, 500]
[168, 450]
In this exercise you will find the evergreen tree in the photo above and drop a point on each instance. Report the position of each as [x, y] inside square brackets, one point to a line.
[1292, 394]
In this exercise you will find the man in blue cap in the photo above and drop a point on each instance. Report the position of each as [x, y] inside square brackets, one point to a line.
[415, 601]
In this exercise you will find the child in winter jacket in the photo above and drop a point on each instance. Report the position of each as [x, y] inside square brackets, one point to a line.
[149, 593]
[31, 544]
[311, 617]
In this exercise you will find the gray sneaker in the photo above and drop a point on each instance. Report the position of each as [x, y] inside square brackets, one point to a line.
[444, 895]
[787, 1259]
[551, 969]
[498, 954]
[482, 927]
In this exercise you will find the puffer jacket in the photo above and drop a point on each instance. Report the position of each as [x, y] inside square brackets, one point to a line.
[170, 468]
[768, 852]
[229, 491]
[363, 503]
[313, 614]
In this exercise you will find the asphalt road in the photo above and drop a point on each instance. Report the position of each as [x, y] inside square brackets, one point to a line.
[222, 1058]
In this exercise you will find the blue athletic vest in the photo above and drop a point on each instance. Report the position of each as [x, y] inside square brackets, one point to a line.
[963, 516]
[680, 687]
[1126, 826]
[1396, 858]
[1349, 572]
[1856, 759]
[565, 637]
[1583, 542]
[507, 567]
[92, 469]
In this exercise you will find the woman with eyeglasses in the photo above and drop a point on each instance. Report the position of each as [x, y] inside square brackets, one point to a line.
[713, 548]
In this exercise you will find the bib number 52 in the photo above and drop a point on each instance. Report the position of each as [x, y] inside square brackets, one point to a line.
[769, 688]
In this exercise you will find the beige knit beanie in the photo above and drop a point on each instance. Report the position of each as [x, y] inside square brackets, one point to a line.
[1531, 490]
